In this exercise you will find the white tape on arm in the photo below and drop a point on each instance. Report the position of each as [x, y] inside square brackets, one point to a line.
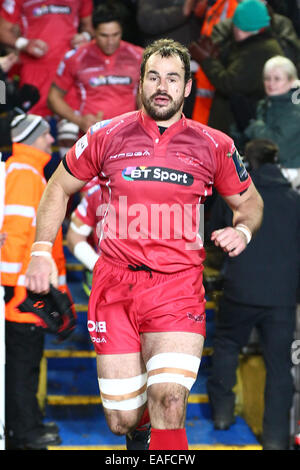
[41, 253]
[86, 35]
[86, 254]
[83, 229]
[21, 43]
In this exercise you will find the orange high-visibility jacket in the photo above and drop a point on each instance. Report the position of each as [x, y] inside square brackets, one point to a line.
[24, 186]
[221, 10]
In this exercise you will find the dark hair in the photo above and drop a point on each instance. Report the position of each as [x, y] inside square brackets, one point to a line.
[261, 151]
[107, 12]
[167, 48]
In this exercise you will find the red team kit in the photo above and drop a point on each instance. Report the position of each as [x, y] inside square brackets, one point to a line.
[151, 253]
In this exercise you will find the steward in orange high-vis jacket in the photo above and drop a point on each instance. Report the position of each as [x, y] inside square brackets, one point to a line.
[220, 10]
[24, 186]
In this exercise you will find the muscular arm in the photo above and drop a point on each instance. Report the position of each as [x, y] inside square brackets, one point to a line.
[50, 215]
[58, 105]
[9, 33]
[87, 25]
[247, 210]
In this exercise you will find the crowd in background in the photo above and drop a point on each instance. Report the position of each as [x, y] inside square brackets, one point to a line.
[245, 83]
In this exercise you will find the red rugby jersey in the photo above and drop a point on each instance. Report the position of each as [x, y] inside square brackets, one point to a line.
[104, 83]
[53, 22]
[152, 185]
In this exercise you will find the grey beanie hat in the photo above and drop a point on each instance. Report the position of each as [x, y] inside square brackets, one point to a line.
[26, 128]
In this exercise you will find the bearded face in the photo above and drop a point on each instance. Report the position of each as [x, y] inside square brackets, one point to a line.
[163, 88]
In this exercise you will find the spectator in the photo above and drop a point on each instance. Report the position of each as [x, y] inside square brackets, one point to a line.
[278, 115]
[220, 29]
[289, 8]
[167, 18]
[216, 12]
[105, 73]
[42, 33]
[260, 291]
[24, 186]
[237, 90]
[12, 96]
[282, 29]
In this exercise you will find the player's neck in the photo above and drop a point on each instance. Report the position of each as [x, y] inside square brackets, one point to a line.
[170, 121]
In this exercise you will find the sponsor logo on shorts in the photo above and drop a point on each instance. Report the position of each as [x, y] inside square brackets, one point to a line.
[159, 174]
[110, 80]
[52, 9]
[96, 326]
[98, 340]
[196, 317]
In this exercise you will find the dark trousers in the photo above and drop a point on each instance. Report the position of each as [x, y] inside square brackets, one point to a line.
[275, 326]
[24, 350]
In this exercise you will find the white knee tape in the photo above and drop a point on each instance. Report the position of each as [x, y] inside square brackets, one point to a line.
[173, 367]
[123, 394]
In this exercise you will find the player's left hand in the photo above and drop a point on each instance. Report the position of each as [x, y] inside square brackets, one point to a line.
[231, 241]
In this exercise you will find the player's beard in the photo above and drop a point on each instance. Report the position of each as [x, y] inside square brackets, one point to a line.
[163, 113]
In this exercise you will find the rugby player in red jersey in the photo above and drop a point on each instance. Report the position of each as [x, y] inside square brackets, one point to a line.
[104, 72]
[43, 31]
[147, 309]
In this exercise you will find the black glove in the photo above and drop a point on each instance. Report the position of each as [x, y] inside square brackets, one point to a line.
[54, 311]
[26, 96]
[203, 48]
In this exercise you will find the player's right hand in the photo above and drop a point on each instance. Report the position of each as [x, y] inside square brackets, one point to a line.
[40, 273]
[36, 48]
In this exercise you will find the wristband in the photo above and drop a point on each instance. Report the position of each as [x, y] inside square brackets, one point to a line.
[21, 43]
[86, 254]
[41, 253]
[86, 35]
[45, 247]
[43, 243]
[246, 231]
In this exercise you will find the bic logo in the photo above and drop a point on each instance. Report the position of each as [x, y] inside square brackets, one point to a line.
[97, 326]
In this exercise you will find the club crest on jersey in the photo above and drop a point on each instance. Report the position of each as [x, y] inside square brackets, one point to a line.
[159, 174]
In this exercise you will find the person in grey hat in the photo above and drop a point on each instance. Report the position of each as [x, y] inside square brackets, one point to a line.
[24, 338]
[27, 128]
